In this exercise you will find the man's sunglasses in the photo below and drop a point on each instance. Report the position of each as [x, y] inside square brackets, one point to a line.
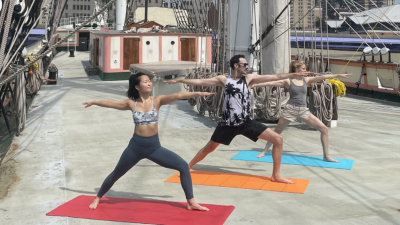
[244, 64]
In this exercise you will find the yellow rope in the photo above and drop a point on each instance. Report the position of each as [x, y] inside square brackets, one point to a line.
[340, 90]
[366, 38]
[35, 65]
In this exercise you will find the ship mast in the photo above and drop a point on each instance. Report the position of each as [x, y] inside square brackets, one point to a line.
[275, 52]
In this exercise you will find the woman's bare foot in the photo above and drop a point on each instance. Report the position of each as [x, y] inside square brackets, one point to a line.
[329, 159]
[94, 203]
[262, 154]
[280, 180]
[192, 205]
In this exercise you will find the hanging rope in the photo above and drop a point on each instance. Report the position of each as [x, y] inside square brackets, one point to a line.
[18, 106]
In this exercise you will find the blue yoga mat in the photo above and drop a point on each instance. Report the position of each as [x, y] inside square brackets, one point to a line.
[303, 160]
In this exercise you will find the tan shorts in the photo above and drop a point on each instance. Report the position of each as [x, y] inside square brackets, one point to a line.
[295, 113]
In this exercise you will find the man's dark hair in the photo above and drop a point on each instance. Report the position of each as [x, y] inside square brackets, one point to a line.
[235, 59]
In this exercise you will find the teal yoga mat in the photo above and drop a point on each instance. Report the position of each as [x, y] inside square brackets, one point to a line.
[303, 160]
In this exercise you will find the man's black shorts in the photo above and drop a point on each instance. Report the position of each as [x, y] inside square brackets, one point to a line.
[250, 129]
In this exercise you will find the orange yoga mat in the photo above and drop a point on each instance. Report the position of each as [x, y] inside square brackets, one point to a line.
[243, 181]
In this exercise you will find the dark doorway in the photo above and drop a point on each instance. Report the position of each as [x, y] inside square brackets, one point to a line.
[84, 38]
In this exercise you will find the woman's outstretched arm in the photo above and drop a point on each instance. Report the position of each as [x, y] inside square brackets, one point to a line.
[256, 79]
[120, 105]
[167, 99]
[310, 80]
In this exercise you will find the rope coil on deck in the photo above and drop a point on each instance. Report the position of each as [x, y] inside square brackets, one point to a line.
[212, 103]
[269, 102]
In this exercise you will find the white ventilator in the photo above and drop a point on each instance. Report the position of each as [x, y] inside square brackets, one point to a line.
[375, 50]
[385, 51]
[367, 50]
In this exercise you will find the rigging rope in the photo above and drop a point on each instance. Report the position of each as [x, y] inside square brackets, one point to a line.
[362, 39]
[368, 36]
[290, 27]
[269, 28]
[387, 18]
[19, 71]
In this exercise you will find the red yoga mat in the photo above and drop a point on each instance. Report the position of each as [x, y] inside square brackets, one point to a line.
[142, 211]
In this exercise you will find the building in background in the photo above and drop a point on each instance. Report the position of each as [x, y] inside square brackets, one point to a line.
[197, 11]
[152, 3]
[78, 8]
[300, 8]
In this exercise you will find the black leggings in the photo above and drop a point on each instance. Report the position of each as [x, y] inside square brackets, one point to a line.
[149, 147]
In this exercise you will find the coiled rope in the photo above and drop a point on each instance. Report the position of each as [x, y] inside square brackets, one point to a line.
[212, 103]
[326, 94]
[269, 102]
[314, 102]
[34, 80]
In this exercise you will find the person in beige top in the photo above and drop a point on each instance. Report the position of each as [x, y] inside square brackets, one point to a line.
[296, 108]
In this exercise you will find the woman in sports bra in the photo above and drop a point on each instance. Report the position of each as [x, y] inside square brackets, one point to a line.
[145, 142]
[296, 108]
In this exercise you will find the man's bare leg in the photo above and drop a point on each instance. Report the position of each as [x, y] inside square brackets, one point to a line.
[210, 147]
[282, 124]
[277, 140]
[314, 122]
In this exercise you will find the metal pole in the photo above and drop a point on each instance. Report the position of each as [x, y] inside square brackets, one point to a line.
[146, 6]
[120, 12]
